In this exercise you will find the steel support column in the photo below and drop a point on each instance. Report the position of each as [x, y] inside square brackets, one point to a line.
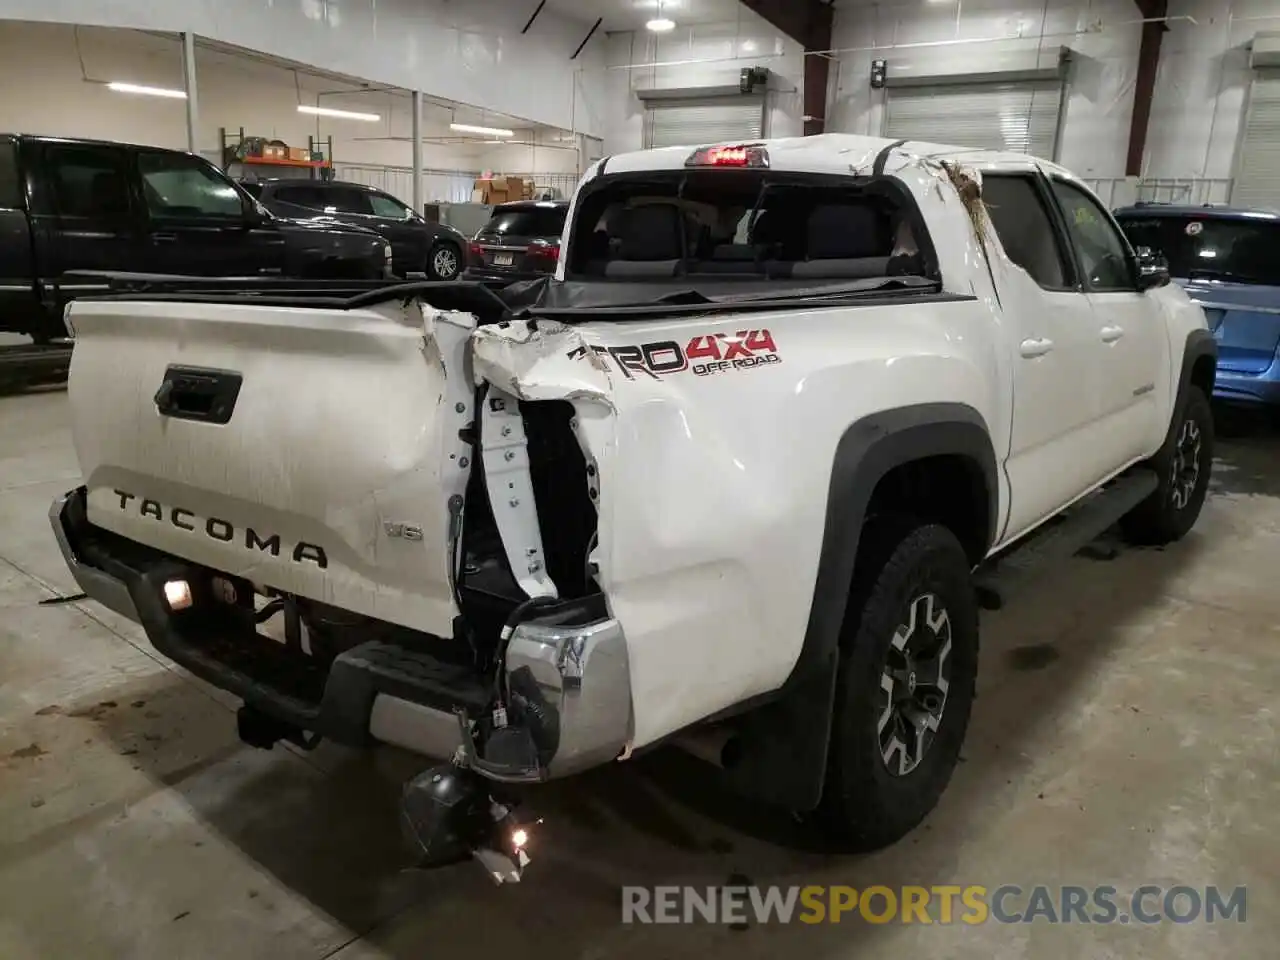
[189, 85]
[808, 22]
[1144, 87]
[417, 152]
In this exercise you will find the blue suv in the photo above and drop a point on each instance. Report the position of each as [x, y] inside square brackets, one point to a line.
[1228, 260]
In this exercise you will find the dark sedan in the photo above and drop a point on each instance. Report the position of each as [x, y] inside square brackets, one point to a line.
[521, 241]
[417, 244]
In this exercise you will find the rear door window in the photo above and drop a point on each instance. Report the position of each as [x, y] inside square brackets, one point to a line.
[527, 222]
[300, 196]
[177, 186]
[1018, 212]
[88, 181]
[346, 200]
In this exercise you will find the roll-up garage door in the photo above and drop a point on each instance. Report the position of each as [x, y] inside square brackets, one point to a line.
[673, 123]
[1021, 117]
[1257, 182]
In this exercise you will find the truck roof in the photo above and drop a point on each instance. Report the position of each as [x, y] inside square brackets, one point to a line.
[837, 153]
[86, 141]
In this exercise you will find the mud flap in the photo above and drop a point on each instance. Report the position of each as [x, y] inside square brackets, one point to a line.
[784, 744]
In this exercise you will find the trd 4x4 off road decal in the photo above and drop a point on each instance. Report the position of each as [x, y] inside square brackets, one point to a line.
[703, 355]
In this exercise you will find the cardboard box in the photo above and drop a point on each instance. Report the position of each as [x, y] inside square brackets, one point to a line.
[299, 153]
[272, 152]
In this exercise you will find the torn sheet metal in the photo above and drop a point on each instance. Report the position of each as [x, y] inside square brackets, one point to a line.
[510, 486]
[540, 360]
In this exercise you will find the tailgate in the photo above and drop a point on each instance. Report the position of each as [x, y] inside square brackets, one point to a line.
[335, 471]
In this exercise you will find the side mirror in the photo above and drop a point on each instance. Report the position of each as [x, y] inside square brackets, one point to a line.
[1153, 269]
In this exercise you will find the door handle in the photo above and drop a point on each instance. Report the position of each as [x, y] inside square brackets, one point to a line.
[1036, 348]
[164, 237]
[1111, 334]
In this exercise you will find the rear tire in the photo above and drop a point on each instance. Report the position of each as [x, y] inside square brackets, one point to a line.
[444, 262]
[1183, 466]
[908, 666]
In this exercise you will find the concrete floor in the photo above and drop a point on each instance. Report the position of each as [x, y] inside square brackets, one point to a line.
[1126, 733]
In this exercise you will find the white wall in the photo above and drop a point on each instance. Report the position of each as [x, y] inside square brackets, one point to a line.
[235, 91]
[1202, 84]
[957, 37]
[463, 50]
[705, 55]
[539, 151]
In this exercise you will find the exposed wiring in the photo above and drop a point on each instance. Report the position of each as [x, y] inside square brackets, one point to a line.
[517, 616]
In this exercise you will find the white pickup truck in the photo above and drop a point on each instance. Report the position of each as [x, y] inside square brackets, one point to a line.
[785, 415]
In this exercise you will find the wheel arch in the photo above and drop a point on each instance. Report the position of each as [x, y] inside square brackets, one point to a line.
[1199, 368]
[790, 768]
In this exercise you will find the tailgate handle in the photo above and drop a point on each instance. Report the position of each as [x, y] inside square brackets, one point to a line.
[197, 393]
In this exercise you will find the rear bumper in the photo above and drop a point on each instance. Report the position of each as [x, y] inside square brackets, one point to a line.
[1256, 388]
[425, 697]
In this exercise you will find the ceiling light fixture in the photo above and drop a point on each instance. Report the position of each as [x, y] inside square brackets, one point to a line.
[660, 25]
[340, 114]
[147, 91]
[490, 131]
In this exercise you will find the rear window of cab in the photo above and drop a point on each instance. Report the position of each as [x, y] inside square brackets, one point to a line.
[746, 223]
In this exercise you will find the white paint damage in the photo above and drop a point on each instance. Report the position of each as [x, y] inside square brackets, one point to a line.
[546, 361]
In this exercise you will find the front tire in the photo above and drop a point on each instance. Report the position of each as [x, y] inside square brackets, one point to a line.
[905, 684]
[1183, 466]
[445, 262]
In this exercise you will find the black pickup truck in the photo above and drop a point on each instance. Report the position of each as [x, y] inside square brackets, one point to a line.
[71, 208]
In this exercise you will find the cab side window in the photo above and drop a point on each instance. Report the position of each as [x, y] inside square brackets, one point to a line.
[310, 197]
[176, 185]
[384, 206]
[347, 200]
[1018, 212]
[1104, 253]
[88, 181]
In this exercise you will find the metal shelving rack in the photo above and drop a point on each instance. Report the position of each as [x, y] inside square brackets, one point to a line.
[232, 142]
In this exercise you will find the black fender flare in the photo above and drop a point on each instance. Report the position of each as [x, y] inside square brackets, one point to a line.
[784, 742]
[1199, 344]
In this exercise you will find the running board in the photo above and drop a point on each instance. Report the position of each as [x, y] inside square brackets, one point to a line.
[1002, 577]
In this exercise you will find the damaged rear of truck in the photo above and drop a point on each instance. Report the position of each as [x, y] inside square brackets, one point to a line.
[654, 495]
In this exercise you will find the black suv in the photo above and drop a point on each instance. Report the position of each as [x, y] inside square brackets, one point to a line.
[417, 244]
[521, 241]
[86, 206]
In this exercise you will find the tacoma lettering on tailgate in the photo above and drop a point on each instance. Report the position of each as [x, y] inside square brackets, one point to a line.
[221, 530]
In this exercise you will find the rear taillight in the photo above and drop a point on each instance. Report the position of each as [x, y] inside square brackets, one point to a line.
[477, 252]
[545, 251]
